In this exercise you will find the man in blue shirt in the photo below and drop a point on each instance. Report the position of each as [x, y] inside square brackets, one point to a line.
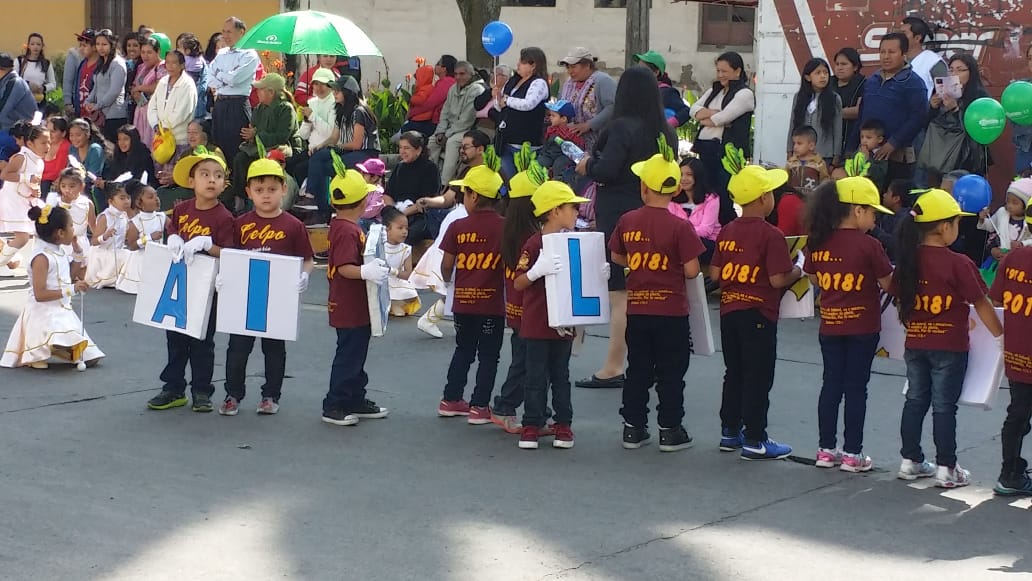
[16, 104]
[897, 97]
[229, 78]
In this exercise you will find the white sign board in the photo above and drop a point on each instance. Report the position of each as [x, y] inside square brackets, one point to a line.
[175, 296]
[699, 318]
[893, 336]
[797, 300]
[258, 296]
[378, 295]
[985, 365]
[579, 293]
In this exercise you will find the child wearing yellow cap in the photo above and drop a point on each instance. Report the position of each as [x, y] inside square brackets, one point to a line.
[848, 266]
[1012, 291]
[661, 251]
[198, 225]
[345, 402]
[752, 265]
[548, 350]
[267, 228]
[472, 264]
[935, 288]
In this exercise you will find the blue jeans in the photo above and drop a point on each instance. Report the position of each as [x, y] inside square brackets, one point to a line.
[936, 378]
[847, 369]
[348, 378]
[1022, 161]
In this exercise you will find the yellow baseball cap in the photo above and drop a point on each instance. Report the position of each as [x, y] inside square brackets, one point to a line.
[659, 174]
[521, 185]
[860, 191]
[181, 172]
[749, 184]
[553, 194]
[264, 167]
[349, 188]
[482, 180]
[1028, 212]
[935, 205]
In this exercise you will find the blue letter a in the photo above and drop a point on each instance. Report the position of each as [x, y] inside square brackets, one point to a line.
[175, 283]
[582, 306]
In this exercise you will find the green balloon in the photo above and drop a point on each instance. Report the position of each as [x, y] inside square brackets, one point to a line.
[985, 120]
[1017, 102]
[164, 44]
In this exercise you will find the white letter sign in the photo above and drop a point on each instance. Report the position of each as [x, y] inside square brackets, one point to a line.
[259, 294]
[579, 294]
[175, 296]
[378, 295]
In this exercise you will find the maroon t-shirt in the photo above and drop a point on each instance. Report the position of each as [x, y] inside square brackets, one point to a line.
[948, 284]
[283, 234]
[1013, 289]
[347, 304]
[476, 243]
[847, 268]
[534, 324]
[513, 297]
[187, 221]
[749, 251]
[656, 245]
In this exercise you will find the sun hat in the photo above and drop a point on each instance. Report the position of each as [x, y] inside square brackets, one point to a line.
[182, 169]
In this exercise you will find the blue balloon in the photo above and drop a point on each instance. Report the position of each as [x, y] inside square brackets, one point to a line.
[496, 38]
[973, 193]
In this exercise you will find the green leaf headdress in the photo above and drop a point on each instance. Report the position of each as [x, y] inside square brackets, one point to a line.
[491, 159]
[734, 159]
[857, 165]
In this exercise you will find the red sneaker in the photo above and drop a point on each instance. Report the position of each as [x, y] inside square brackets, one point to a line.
[451, 409]
[511, 424]
[563, 436]
[529, 438]
[548, 430]
[479, 415]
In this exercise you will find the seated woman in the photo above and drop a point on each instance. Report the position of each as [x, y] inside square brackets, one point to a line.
[415, 180]
[274, 122]
[130, 156]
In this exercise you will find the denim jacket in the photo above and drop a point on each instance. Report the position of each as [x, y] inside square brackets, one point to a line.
[901, 103]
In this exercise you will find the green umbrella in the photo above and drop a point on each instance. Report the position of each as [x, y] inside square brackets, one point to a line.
[309, 32]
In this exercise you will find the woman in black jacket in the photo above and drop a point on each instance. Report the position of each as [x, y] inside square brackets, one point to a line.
[413, 180]
[629, 137]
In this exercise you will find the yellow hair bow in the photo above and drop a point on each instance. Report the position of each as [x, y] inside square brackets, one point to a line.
[44, 215]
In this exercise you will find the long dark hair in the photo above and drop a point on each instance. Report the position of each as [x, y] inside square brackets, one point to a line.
[973, 89]
[535, 56]
[824, 213]
[44, 64]
[638, 98]
[825, 100]
[909, 236]
[212, 49]
[701, 188]
[125, 43]
[105, 63]
[520, 224]
[138, 152]
[345, 111]
[733, 60]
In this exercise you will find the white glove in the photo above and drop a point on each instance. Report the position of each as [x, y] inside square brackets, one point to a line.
[545, 266]
[195, 245]
[175, 246]
[376, 271]
[302, 283]
[606, 270]
[800, 260]
[218, 282]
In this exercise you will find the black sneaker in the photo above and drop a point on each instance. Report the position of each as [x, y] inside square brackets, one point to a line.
[166, 400]
[1016, 484]
[339, 417]
[202, 403]
[368, 410]
[634, 438]
[674, 439]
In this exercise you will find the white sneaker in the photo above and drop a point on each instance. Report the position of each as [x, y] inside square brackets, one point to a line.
[424, 325]
[910, 470]
[946, 477]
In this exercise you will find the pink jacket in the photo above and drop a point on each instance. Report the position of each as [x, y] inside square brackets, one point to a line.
[706, 217]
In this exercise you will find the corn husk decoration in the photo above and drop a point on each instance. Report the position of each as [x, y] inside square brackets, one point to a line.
[857, 165]
[491, 159]
[338, 164]
[664, 148]
[734, 159]
[261, 146]
[524, 157]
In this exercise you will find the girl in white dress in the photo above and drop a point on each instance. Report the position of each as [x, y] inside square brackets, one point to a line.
[68, 194]
[108, 255]
[21, 179]
[148, 225]
[427, 275]
[48, 326]
[404, 298]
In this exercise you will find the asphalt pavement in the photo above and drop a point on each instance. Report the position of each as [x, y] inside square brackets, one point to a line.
[94, 486]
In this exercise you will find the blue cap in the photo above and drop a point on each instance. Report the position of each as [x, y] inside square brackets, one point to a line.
[562, 107]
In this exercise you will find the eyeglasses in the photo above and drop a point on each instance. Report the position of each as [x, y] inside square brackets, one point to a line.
[465, 147]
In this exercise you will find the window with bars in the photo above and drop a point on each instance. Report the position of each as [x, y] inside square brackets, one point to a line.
[721, 26]
[114, 14]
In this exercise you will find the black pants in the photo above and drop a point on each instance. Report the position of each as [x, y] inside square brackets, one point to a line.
[511, 396]
[548, 365]
[238, 182]
[711, 154]
[1015, 428]
[348, 379]
[658, 351]
[750, 343]
[230, 115]
[477, 337]
[199, 353]
[240, 346]
[424, 127]
[297, 166]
